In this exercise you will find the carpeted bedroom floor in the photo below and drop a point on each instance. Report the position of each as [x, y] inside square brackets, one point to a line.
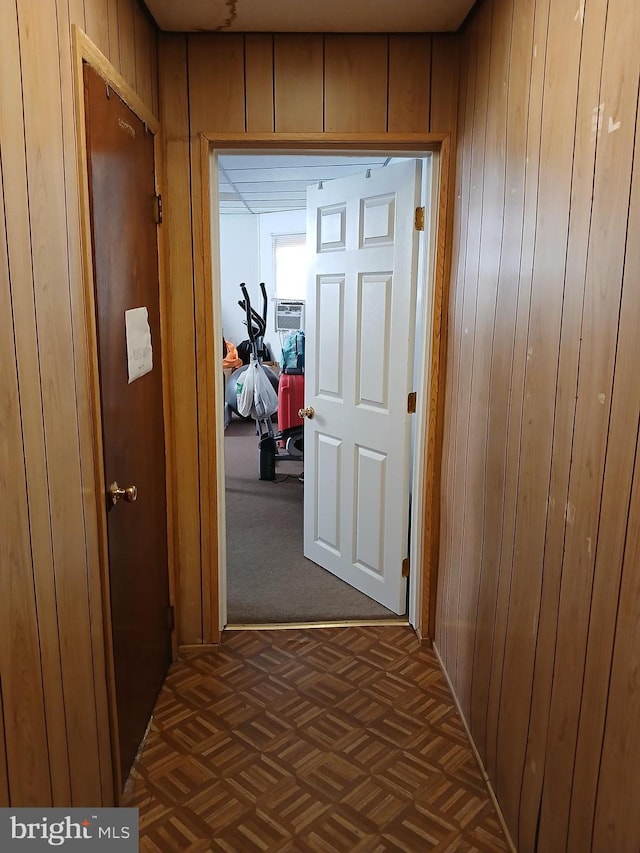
[268, 578]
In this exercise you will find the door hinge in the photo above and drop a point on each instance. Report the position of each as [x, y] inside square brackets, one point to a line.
[419, 220]
[157, 209]
[171, 617]
[405, 567]
[411, 403]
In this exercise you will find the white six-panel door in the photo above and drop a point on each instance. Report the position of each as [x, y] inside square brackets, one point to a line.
[359, 367]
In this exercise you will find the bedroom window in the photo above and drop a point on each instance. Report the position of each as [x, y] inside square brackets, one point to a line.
[290, 265]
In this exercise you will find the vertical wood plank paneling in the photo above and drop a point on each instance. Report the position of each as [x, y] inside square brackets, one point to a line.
[481, 573]
[447, 632]
[114, 31]
[24, 729]
[620, 74]
[216, 83]
[5, 798]
[616, 524]
[543, 341]
[298, 82]
[579, 227]
[179, 265]
[155, 83]
[127, 41]
[258, 62]
[479, 320]
[519, 41]
[462, 591]
[46, 190]
[76, 13]
[409, 83]
[27, 360]
[554, 695]
[445, 73]
[355, 83]
[144, 39]
[616, 823]
[536, 56]
[25, 726]
[96, 14]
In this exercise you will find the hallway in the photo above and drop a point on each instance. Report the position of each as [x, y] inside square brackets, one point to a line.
[325, 739]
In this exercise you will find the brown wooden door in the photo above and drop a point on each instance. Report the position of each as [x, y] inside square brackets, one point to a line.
[120, 157]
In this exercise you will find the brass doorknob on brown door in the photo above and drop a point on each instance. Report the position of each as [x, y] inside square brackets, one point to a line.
[129, 494]
[308, 412]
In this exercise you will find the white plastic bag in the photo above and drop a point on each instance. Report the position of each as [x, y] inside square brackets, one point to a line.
[255, 394]
[265, 399]
[244, 391]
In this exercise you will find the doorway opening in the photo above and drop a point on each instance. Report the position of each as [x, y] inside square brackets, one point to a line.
[258, 207]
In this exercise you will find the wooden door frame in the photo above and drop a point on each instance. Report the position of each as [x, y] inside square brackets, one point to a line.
[209, 348]
[85, 52]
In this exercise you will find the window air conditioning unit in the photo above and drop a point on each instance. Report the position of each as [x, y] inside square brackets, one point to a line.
[289, 315]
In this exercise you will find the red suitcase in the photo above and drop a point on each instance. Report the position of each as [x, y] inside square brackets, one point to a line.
[290, 399]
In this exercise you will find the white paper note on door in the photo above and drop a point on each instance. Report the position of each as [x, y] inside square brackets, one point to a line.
[139, 351]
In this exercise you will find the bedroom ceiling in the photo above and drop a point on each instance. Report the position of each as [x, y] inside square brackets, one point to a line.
[330, 16]
[251, 184]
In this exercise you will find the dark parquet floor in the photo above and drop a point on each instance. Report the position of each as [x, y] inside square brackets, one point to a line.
[340, 740]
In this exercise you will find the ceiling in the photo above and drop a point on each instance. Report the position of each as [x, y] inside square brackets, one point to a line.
[251, 184]
[329, 16]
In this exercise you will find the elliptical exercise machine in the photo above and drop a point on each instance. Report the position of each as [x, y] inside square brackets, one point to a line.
[271, 444]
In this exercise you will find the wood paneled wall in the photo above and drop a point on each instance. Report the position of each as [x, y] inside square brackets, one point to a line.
[265, 83]
[539, 588]
[52, 666]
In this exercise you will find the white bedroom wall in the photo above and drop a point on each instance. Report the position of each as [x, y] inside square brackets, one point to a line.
[239, 261]
[246, 254]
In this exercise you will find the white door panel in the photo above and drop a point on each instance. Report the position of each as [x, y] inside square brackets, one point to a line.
[359, 365]
[329, 336]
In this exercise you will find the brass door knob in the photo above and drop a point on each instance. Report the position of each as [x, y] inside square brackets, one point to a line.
[129, 494]
[308, 412]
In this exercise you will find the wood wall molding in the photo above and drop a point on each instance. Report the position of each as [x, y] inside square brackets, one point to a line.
[86, 51]
[179, 263]
[392, 143]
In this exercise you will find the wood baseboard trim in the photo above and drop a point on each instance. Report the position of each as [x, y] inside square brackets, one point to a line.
[425, 642]
[474, 749]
